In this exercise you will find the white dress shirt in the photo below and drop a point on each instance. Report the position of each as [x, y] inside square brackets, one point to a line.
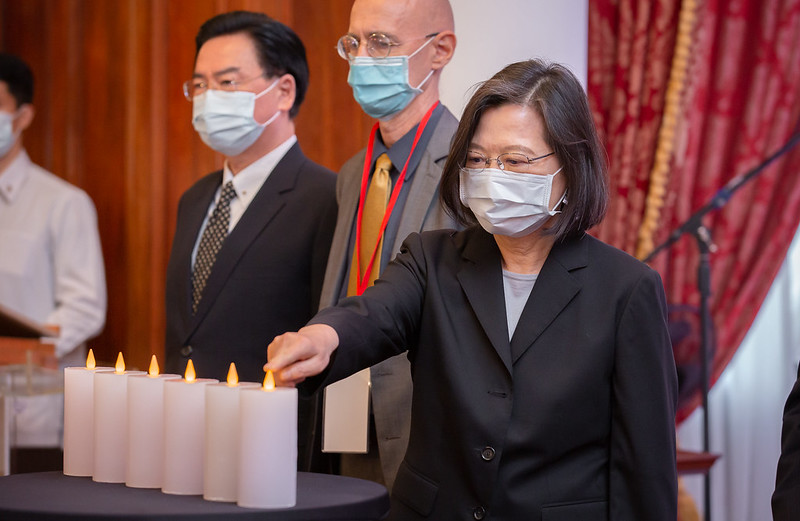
[51, 271]
[246, 184]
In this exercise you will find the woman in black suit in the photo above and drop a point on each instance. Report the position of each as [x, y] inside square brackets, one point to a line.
[544, 382]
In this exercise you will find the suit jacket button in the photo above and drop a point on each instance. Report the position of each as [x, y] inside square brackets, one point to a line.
[487, 454]
[186, 350]
[478, 513]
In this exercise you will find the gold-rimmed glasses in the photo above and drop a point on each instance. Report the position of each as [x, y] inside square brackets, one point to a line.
[378, 45]
[511, 161]
[197, 86]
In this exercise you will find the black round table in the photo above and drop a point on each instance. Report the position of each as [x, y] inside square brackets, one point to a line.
[53, 496]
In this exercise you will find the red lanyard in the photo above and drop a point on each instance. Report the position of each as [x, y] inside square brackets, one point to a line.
[363, 283]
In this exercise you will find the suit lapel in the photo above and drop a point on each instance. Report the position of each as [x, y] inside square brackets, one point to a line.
[424, 186]
[481, 278]
[554, 289]
[262, 209]
[348, 191]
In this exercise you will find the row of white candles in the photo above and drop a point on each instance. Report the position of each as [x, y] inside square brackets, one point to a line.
[229, 441]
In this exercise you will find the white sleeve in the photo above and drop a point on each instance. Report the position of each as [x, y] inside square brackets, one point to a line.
[80, 288]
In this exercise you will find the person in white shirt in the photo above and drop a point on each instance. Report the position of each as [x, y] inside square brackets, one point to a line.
[51, 263]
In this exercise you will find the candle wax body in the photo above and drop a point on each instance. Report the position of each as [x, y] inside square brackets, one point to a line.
[146, 430]
[111, 426]
[222, 441]
[79, 420]
[184, 432]
[268, 448]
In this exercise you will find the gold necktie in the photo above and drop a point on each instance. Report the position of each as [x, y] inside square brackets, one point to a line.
[380, 189]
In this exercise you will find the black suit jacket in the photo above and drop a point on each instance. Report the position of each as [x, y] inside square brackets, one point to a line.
[572, 419]
[267, 276]
[786, 499]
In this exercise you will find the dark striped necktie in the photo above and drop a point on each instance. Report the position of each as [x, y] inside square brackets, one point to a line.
[211, 242]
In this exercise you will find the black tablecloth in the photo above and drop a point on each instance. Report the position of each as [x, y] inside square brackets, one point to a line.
[53, 496]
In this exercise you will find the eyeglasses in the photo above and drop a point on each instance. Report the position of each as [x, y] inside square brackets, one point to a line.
[513, 162]
[378, 45]
[196, 86]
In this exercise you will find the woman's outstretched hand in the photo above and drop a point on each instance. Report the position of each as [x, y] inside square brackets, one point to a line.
[293, 357]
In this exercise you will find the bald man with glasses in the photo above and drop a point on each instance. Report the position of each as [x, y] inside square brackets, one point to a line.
[396, 51]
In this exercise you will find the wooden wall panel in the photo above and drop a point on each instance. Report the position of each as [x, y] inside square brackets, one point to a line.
[112, 119]
[330, 121]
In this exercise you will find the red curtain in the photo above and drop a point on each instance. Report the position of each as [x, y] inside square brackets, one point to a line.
[741, 102]
[630, 52]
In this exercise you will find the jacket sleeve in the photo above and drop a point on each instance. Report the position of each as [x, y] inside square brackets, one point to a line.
[383, 321]
[643, 473]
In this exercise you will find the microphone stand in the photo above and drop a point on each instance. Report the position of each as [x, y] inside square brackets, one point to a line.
[694, 226]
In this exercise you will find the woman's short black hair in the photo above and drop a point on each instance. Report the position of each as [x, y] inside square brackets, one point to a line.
[557, 96]
[280, 50]
[18, 77]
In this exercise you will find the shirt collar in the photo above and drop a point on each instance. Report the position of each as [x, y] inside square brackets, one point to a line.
[14, 177]
[398, 153]
[248, 181]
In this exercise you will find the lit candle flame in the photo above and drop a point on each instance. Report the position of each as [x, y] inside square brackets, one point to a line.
[233, 376]
[190, 375]
[269, 382]
[153, 371]
[119, 368]
[90, 362]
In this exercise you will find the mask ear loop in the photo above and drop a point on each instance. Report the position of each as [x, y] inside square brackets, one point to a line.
[268, 88]
[421, 47]
[277, 113]
[561, 203]
[418, 87]
[15, 116]
[270, 120]
[562, 200]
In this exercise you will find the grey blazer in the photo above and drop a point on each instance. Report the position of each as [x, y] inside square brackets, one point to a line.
[391, 379]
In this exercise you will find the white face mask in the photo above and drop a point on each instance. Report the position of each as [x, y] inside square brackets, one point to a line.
[225, 120]
[506, 203]
[7, 135]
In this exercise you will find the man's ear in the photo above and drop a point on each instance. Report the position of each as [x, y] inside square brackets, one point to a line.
[288, 89]
[26, 112]
[444, 45]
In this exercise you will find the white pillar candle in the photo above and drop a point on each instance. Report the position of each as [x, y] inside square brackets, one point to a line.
[184, 432]
[111, 423]
[79, 417]
[221, 469]
[268, 447]
[146, 428]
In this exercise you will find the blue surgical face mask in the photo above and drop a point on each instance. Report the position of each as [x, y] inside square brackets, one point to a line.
[7, 135]
[380, 85]
[225, 119]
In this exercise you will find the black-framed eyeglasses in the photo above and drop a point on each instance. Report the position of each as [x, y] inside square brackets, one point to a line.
[511, 161]
[196, 86]
[378, 45]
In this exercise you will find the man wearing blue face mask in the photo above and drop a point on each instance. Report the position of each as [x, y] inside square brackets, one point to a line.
[252, 239]
[396, 51]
